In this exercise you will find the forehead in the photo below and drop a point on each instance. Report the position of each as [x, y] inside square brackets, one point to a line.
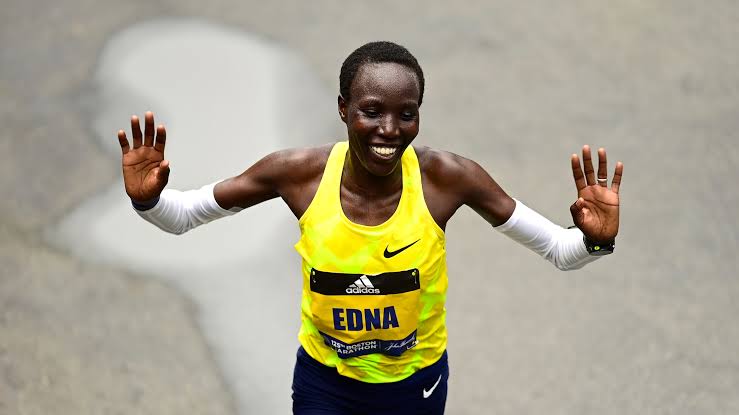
[385, 80]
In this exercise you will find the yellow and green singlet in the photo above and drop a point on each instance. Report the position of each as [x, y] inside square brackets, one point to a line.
[373, 296]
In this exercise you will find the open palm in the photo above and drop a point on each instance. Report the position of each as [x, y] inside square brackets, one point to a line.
[145, 171]
[596, 211]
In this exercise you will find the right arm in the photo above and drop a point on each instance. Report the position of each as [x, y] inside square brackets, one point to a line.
[146, 173]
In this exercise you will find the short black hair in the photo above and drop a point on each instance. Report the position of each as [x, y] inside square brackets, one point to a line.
[377, 52]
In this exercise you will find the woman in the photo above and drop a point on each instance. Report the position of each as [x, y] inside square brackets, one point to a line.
[372, 213]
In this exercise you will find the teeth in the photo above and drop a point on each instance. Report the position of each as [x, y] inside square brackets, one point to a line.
[383, 151]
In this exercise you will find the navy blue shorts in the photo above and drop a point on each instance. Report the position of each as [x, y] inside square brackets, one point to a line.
[319, 389]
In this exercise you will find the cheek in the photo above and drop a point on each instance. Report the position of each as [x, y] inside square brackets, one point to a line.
[359, 127]
[411, 130]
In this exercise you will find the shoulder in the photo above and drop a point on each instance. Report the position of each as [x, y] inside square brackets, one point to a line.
[445, 168]
[431, 157]
[452, 180]
[307, 157]
[298, 175]
[295, 165]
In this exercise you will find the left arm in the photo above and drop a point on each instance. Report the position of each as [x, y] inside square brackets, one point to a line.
[595, 213]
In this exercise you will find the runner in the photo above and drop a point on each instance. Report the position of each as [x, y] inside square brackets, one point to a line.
[372, 212]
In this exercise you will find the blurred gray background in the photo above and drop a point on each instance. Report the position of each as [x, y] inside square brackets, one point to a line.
[99, 314]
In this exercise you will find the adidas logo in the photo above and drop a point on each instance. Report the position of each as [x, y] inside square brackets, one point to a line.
[362, 286]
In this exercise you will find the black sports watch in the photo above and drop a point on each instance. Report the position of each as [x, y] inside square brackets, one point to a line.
[598, 249]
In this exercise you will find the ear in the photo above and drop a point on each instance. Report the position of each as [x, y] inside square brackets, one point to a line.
[342, 108]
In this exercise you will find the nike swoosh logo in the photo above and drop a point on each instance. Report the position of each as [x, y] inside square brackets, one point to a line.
[389, 254]
[427, 393]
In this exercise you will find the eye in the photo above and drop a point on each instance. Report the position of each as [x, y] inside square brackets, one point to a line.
[371, 113]
[408, 116]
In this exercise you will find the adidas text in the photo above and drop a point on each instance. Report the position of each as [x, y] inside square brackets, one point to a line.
[363, 285]
[362, 290]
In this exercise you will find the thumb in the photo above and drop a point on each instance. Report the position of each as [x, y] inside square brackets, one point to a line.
[163, 171]
[576, 210]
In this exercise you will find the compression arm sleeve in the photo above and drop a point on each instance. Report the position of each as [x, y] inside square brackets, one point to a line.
[177, 212]
[562, 247]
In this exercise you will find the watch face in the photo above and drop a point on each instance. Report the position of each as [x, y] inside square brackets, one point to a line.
[598, 250]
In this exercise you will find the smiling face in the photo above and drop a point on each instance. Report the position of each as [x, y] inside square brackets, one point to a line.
[381, 115]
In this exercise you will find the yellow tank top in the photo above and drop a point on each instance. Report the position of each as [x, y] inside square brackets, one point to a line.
[373, 296]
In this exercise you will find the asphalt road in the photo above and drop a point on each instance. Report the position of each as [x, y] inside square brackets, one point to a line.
[90, 327]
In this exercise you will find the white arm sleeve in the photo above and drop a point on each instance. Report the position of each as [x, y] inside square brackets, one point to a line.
[177, 212]
[562, 247]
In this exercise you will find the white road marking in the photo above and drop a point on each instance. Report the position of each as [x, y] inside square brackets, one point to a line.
[224, 96]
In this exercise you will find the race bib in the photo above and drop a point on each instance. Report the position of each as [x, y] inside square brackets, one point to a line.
[359, 314]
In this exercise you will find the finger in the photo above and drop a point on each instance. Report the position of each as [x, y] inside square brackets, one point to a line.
[616, 184]
[123, 141]
[163, 171]
[148, 129]
[161, 138]
[602, 168]
[576, 209]
[136, 131]
[587, 162]
[577, 172]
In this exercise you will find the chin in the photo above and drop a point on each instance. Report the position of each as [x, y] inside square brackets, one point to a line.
[379, 167]
[382, 171]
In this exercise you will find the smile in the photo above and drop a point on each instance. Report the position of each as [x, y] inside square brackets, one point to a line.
[385, 152]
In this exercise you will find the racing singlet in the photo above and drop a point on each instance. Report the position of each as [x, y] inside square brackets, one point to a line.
[373, 296]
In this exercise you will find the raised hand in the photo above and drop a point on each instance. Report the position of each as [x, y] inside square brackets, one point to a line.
[145, 171]
[597, 207]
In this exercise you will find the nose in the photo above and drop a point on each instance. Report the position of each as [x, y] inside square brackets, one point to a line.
[389, 126]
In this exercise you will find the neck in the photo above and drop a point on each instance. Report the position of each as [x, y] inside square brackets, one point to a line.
[357, 179]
